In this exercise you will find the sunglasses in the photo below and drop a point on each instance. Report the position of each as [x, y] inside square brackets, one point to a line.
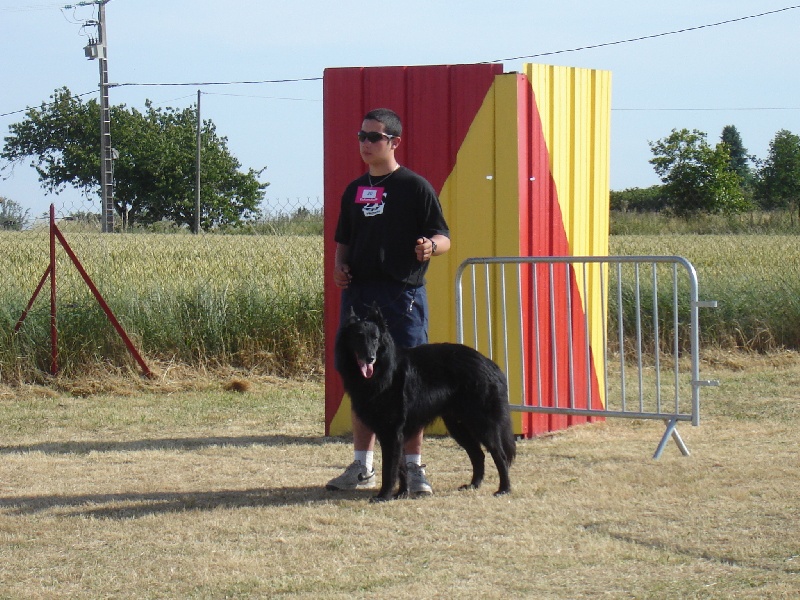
[373, 136]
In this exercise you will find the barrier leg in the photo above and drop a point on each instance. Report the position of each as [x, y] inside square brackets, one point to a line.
[671, 431]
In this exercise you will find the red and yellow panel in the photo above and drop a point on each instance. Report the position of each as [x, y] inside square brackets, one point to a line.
[512, 180]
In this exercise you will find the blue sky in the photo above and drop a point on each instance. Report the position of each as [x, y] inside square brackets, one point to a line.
[742, 73]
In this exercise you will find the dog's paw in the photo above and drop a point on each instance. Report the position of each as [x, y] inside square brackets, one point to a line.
[376, 499]
[503, 492]
[467, 487]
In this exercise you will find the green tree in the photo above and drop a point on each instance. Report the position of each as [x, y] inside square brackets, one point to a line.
[155, 171]
[650, 199]
[778, 181]
[696, 176]
[12, 216]
[739, 159]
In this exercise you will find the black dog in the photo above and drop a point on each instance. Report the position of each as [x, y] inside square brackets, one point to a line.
[396, 392]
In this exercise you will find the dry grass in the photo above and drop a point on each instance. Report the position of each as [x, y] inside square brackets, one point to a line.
[192, 491]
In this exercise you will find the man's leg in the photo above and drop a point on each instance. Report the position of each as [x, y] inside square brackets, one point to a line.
[417, 482]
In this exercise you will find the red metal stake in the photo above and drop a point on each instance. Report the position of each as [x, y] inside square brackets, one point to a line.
[55, 233]
[33, 299]
[53, 328]
[101, 301]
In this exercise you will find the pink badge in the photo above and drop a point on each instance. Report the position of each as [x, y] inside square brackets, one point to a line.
[369, 195]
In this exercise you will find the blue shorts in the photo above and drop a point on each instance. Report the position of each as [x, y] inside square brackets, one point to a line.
[404, 308]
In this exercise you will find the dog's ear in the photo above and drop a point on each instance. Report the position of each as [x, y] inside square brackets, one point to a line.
[376, 316]
[352, 317]
[374, 312]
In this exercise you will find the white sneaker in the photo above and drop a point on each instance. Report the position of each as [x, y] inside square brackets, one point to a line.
[355, 477]
[417, 482]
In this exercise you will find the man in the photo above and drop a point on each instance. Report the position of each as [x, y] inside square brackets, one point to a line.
[390, 225]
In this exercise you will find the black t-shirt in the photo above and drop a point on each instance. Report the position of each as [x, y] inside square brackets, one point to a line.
[381, 235]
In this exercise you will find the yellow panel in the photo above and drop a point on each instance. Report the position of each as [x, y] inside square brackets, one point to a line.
[468, 201]
[481, 204]
[342, 424]
[507, 233]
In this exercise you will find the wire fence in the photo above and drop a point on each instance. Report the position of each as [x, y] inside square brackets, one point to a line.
[252, 296]
[248, 296]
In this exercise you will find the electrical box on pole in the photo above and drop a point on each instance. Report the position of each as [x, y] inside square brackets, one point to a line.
[97, 49]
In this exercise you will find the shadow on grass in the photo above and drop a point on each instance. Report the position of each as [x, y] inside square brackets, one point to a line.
[133, 505]
[85, 447]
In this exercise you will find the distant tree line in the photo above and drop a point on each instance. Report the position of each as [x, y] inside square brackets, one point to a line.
[154, 173]
[155, 166]
[720, 179]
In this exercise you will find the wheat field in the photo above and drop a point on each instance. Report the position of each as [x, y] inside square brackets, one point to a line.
[251, 301]
[256, 301]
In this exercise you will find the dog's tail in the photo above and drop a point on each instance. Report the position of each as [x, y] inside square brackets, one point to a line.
[509, 444]
[507, 438]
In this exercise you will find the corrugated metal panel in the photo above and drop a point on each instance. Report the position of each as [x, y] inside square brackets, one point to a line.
[438, 105]
[573, 109]
[574, 106]
[521, 165]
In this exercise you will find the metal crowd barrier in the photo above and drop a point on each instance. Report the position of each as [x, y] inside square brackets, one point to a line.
[586, 338]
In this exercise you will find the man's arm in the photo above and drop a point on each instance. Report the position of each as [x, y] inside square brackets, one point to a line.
[341, 270]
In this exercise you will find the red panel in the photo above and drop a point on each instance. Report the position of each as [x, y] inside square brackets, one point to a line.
[543, 233]
[430, 140]
[341, 119]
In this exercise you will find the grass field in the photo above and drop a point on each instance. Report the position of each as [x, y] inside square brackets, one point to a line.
[256, 301]
[112, 486]
[249, 301]
[754, 278]
[177, 488]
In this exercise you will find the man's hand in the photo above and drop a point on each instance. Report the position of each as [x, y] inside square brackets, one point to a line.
[341, 276]
[424, 249]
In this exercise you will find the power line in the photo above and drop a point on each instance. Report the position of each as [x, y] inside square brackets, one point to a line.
[30, 8]
[649, 37]
[205, 83]
[263, 97]
[590, 47]
[22, 110]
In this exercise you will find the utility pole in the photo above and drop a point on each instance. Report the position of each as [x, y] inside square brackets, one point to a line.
[98, 49]
[197, 169]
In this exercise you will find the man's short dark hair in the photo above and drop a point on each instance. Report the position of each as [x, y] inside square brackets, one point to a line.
[390, 120]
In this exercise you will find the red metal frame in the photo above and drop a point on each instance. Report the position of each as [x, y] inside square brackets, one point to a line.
[55, 234]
